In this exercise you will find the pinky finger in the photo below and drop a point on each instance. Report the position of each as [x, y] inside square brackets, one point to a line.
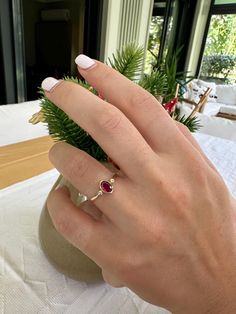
[75, 225]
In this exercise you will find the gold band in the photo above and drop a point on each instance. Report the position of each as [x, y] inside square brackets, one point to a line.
[96, 196]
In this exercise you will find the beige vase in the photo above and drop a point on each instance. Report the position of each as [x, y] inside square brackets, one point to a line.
[66, 258]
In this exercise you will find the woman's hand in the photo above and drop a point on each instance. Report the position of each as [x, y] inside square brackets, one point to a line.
[168, 229]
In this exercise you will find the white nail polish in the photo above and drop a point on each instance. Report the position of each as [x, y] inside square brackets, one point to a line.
[84, 62]
[48, 83]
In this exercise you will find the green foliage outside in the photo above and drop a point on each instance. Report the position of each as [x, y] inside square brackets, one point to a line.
[219, 61]
[218, 66]
[155, 30]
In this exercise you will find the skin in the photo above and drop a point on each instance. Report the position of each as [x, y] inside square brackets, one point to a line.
[168, 230]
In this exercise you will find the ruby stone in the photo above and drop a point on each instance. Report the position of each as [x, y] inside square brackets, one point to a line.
[106, 187]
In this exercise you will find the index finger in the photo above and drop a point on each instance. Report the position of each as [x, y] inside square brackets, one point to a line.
[109, 127]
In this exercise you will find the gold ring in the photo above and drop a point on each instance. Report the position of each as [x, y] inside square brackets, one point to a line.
[105, 187]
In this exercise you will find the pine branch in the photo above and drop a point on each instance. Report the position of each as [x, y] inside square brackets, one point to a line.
[129, 61]
[155, 83]
[80, 82]
[192, 123]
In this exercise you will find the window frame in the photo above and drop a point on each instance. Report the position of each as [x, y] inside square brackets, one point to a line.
[186, 12]
[215, 9]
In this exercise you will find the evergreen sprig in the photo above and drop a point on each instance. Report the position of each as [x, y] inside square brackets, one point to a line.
[155, 83]
[191, 122]
[62, 128]
[128, 61]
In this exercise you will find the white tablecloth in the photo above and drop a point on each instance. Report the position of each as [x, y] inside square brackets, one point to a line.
[14, 125]
[29, 284]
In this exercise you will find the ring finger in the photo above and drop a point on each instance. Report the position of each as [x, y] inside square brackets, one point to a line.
[85, 174]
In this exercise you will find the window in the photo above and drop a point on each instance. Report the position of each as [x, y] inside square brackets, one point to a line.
[161, 12]
[219, 54]
[170, 30]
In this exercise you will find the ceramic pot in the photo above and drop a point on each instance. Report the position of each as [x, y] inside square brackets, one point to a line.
[66, 258]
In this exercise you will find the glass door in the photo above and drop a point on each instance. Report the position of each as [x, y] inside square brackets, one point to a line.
[159, 32]
[219, 58]
[219, 54]
[170, 30]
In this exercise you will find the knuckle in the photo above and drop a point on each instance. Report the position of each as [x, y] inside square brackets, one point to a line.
[62, 225]
[68, 91]
[199, 171]
[181, 201]
[69, 229]
[82, 240]
[78, 166]
[201, 178]
[125, 271]
[182, 198]
[141, 97]
[130, 267]
[110, 120]
[107, 74]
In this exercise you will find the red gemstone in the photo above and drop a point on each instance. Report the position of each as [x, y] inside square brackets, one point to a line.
[106, 187]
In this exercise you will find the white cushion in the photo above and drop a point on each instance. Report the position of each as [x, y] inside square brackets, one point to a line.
[212, 108]
[204, 85]
[228, 110]
[226, 94]
[215, 126]
[196, 88]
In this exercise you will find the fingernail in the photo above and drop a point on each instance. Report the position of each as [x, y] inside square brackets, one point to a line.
[48, 83]
[84, 62]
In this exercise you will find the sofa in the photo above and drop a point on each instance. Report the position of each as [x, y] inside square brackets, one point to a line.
[220, 95]
[221, 100]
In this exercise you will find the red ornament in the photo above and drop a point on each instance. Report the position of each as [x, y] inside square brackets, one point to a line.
[170, 105]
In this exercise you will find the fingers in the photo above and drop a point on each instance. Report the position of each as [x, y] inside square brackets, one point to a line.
[105, 123]
[74, 224]
[85, 174]
[84, 227]
[83, 171]
[141, 108]
[90, 208]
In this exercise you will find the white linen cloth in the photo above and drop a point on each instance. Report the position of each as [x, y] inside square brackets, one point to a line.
[228, 110]
[214, 126]
[226, 94]
[14, 125]
[212, 108]
[28, 282]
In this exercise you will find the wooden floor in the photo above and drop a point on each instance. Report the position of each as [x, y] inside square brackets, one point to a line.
[24, 160]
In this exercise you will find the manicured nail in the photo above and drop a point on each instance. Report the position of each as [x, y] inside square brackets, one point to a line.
[48, 83]
[84, 62]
